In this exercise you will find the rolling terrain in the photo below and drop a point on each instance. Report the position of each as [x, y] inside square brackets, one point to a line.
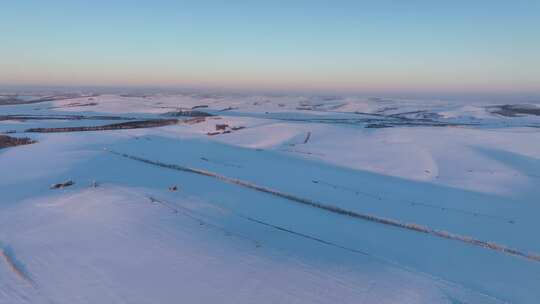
[167, 198]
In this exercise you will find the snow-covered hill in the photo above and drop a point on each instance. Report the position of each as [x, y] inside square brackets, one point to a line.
[268, 199]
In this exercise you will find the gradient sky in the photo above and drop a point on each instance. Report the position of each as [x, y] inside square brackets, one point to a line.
[415, 45]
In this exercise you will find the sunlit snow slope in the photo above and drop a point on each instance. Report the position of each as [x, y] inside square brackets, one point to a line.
[206, 198]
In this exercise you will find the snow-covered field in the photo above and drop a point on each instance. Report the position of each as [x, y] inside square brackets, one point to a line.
[269, 199]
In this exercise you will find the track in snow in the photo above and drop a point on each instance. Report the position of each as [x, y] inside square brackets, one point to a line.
[337, 210]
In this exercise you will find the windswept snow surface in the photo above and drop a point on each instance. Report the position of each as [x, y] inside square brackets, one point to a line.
[278, 199]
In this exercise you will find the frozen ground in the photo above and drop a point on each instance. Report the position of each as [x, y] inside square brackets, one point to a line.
[278, 199]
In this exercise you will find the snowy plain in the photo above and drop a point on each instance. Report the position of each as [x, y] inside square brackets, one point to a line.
[278, 199]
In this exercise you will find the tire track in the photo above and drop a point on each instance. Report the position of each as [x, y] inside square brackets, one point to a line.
[175, 208]
[306, 236]
[337, 210]
[191, 214]
[415, 203]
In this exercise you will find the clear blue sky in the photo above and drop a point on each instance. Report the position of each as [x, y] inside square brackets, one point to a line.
[461, 46]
